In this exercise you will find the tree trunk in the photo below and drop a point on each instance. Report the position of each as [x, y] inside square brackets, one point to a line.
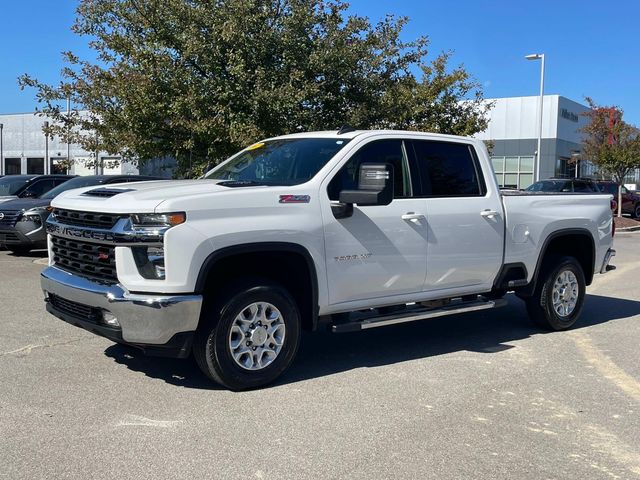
[619, 200]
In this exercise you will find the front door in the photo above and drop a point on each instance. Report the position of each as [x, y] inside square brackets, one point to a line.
[379, 251]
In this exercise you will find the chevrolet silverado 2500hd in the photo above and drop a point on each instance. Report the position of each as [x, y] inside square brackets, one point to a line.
[347, 230]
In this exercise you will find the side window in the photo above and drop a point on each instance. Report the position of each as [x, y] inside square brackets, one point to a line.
[447, 169]
[39, 187]
[380, 151]
[582, 187]
[59, 181]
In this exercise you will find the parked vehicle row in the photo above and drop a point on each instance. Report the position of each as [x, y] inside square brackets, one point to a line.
[24, 213]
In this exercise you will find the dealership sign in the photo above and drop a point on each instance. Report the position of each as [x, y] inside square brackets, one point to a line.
[564, 113]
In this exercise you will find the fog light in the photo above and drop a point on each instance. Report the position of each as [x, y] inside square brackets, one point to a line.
[150, 261]
[110, 319]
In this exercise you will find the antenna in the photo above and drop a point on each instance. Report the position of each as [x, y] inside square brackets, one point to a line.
[345, 129]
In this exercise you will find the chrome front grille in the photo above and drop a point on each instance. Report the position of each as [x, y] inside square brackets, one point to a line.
[94, 260]
[86, 219]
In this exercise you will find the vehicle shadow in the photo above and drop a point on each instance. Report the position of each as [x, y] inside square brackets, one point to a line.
[323, 353]
[39, 253]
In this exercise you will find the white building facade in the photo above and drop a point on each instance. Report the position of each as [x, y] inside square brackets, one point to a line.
[25, 149]
[513, 132]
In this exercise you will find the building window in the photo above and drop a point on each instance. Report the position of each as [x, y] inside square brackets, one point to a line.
[35, 166]
[12, 166]
[513, 172]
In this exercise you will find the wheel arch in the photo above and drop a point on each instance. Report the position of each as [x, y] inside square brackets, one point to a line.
[575, 242]
[300, 276]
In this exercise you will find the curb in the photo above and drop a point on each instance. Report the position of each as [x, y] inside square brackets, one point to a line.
[628, 229]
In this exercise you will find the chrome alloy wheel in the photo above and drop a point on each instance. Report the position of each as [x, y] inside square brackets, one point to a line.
[257, 335]
[565, 293]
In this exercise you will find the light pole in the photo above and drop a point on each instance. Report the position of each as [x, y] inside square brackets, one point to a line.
[46, 147]
[539, 56]
[575, 154]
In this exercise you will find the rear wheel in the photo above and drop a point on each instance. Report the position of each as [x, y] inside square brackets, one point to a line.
[558, 298]
[636, 211]
[249, 337]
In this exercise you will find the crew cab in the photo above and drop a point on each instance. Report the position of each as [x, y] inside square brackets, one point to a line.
[345, 230]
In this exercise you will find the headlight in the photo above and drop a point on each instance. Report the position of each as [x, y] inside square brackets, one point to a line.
[157, 220]
[33, 215]
[150, 261]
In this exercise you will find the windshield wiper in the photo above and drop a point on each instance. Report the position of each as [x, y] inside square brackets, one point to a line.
[246, 183]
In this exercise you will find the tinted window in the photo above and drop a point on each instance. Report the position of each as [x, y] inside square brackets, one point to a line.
[37, 188]
[584, 187]
[447, 169]
[380, 151]
[550, 186]
[77, 182]
[11, 185]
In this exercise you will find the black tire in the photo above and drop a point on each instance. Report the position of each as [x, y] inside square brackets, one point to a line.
[211, 348]
[540, 304]
[19, 250]
[636, 211]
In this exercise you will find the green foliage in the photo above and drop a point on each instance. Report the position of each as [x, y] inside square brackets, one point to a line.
[611, 143]
[200, 79]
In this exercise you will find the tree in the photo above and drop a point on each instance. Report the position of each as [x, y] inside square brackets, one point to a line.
[198, 79]
[611, 143]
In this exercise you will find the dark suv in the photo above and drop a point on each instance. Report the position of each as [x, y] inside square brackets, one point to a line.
[22, 220]
[29, 186]
[578, 185]
[630, 200]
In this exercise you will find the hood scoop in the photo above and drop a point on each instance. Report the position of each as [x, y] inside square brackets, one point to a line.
[106, 192]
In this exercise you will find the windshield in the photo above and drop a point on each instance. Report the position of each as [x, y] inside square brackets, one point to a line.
[280, 162]
[77, 182]
[549, 186]
[10, 185]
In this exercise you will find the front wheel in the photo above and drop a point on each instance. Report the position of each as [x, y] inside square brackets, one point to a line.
[559, 295]
[249, 337]
[636, 211]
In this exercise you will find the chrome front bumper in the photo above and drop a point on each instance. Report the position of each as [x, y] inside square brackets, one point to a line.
[145, 319]
[607, 258]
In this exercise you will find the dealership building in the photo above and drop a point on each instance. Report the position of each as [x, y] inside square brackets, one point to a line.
[24, 148]
[512, 136]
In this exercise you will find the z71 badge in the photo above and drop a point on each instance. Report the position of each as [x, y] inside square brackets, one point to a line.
[295, 198]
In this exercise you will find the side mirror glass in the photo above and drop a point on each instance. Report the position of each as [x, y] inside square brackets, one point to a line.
[375, 186]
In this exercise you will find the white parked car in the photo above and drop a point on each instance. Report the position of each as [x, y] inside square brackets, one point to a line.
[348, 230]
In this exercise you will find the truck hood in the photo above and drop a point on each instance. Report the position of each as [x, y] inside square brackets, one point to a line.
[136, 197]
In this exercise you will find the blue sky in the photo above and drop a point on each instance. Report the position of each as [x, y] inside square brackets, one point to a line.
[591, 47]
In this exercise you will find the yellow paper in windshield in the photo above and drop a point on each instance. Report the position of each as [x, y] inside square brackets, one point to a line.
[256, 146]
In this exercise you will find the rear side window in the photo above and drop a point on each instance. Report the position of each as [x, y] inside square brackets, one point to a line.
[447, 169]
[379, 151]
[582, 187]
[39, 187]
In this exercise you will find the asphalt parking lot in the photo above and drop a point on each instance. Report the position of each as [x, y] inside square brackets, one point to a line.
[481, 395]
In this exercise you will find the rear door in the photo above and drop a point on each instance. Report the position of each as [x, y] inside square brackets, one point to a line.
[464, 220]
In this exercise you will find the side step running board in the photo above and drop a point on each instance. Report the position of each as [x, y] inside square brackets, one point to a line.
[413, 314]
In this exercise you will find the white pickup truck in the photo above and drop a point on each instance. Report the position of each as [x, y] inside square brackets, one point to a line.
[344, 230]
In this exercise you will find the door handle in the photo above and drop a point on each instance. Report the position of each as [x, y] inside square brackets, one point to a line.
[412, 216]
[489, 213]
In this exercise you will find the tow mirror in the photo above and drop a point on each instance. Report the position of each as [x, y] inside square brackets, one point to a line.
[375, 186]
